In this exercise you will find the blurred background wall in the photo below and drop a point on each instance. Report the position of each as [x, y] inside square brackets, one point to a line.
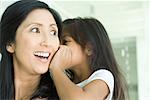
[128, 25]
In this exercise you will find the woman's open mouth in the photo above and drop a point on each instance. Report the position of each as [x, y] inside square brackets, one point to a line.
[42, 56]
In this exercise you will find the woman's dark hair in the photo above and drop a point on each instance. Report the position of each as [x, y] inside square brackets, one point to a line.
[12, 17]
[90, 31]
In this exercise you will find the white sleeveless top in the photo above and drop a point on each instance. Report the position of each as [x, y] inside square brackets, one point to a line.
[104, 75]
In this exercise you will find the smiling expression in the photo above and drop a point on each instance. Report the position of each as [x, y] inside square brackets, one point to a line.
[36, 42]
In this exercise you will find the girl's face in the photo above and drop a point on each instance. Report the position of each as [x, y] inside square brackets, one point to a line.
[36, 42]
[79, 56]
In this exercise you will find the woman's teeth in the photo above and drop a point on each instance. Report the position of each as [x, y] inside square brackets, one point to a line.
[42, 54]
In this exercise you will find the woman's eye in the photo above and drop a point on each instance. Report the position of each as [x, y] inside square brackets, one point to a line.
[53, 33]
[35, 30]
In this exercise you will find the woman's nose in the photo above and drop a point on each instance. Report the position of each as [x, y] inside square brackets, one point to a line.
[45, 41]
[48, 41]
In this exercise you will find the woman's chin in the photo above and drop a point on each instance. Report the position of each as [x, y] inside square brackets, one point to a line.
[41, 70]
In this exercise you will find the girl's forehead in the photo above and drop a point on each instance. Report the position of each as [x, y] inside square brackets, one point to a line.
[66, 34]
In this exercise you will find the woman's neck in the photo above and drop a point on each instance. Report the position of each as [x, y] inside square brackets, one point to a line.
[25, 85]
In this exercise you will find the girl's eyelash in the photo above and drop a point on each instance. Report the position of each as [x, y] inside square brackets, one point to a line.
[65, 41]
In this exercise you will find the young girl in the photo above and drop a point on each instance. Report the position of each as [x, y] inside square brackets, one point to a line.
[87, 53]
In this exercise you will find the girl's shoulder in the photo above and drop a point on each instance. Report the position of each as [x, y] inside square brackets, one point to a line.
[104, 75]
[101, 74]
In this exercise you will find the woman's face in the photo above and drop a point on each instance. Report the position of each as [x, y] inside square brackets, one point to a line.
[36, 42]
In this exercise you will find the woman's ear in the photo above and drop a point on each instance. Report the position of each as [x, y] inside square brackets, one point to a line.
[10, 47]
[88, 49]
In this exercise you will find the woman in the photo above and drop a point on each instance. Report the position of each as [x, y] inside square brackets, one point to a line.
[29, 33]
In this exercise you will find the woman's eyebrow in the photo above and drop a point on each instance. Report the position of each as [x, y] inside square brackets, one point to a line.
[34, 23]
[53, 24]
[39, 24]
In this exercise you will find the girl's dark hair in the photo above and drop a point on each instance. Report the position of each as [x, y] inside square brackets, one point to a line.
[90, 31]
[12, 17]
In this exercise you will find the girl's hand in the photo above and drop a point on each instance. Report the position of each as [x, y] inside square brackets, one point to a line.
[62, 58]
